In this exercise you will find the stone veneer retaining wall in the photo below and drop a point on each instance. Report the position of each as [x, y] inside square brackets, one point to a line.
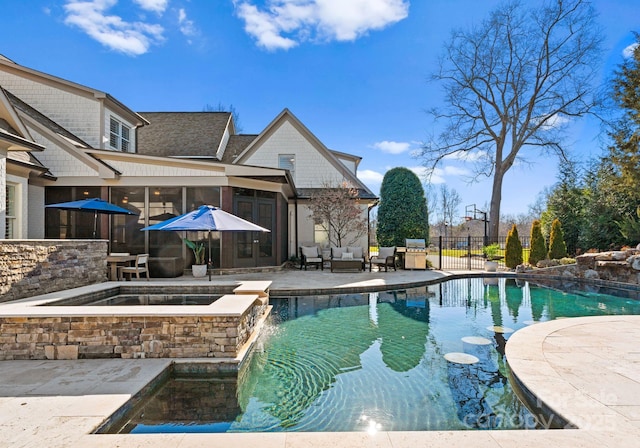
[33, 267]
[621, 266]
[82, 337]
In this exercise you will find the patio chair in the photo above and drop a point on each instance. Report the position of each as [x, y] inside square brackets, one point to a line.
[386, 257]
[139, 267]
[311, 256]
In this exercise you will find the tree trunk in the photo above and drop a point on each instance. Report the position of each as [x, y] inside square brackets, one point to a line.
[494, 212]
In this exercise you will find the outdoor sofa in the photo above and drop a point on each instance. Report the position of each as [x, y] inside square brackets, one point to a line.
[348, 258]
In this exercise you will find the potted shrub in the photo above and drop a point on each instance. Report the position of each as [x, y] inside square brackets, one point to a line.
[199, 268]
[491, 255]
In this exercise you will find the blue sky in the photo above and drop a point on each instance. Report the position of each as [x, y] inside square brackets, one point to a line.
[354, 71]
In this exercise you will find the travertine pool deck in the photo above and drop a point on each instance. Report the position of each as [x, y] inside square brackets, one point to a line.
[585, 369]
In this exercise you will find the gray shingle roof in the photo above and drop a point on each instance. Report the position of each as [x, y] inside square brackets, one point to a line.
[185, 134]
[306, 193]
[235, 146]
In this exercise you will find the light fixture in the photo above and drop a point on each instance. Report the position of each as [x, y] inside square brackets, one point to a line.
[156, 192]
[125, 200]
[85, 192]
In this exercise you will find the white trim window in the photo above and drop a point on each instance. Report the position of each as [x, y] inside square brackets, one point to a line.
[287, 162]
[119, 135]
[11, 222]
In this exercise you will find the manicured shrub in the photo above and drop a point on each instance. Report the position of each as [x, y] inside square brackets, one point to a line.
[557, 246]
[402, 212]
[513, 249]
[538, 245]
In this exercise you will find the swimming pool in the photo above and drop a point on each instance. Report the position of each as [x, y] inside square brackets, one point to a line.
[429, 358]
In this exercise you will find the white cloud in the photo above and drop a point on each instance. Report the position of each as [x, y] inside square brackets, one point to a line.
[187, 26]
[370, 176]
[628, 51]
[392, 147]
[264, 28]
[451, 170]
[439, 175]
[131, 38]
[286, 23]
[157, 6]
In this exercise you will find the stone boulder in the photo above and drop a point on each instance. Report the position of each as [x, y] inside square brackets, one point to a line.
[615, 255]
[634, 262]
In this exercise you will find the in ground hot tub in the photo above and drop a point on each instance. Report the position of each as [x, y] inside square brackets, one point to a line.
[107, 321]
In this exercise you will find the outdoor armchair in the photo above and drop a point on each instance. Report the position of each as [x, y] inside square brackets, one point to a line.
[386, 257]
[310, 256]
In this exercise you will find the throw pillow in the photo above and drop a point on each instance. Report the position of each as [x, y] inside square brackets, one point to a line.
[347, 256]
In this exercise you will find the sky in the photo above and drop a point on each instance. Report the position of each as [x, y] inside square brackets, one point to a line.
[355, 72]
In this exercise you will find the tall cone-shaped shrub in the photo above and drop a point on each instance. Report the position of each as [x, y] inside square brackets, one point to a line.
[513, 249]
[557, 246]
[538, 245]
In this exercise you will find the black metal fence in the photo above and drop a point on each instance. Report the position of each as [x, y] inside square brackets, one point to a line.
[465, 253]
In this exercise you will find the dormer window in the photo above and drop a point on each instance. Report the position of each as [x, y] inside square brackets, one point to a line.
[119, 135]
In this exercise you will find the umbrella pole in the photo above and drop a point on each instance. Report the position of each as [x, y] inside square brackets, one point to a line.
[209, 266]
[95, 223]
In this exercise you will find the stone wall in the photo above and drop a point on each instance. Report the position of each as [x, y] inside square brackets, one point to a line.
[621, 266]
[33, 267]
[85, 337]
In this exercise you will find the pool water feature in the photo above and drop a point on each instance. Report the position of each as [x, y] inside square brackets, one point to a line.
[429, 358]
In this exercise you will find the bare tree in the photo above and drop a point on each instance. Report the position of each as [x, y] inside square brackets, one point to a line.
[450, 200]
[337, 210]
[231, 109]
[515, 81]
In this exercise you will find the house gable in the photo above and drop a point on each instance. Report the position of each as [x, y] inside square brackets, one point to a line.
[82, 110]
[314, 166]
[64, 154]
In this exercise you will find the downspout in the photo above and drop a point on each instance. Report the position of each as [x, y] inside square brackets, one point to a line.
[295, 248]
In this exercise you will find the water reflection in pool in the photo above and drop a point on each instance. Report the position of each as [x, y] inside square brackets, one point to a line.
[429, 358]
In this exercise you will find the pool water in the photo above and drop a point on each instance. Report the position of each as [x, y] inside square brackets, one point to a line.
[138, 299]
[429, 358]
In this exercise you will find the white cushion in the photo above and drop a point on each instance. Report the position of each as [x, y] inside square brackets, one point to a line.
[314, 260]
[356, 251]
[309, 251]
[347, 256]
[384, 252]
[336, 252]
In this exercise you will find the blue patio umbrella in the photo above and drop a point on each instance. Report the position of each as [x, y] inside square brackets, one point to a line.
[94, 205]
[207, 218]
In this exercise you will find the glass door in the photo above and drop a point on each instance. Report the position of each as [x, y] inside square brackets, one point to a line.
[253, 249]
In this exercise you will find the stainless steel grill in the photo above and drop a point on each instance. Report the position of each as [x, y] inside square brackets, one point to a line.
[416, 254]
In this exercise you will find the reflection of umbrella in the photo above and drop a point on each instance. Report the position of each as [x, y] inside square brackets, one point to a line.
[207, 218]
[94, 205]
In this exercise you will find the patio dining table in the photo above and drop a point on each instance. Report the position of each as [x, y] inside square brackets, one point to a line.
[113, 261]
